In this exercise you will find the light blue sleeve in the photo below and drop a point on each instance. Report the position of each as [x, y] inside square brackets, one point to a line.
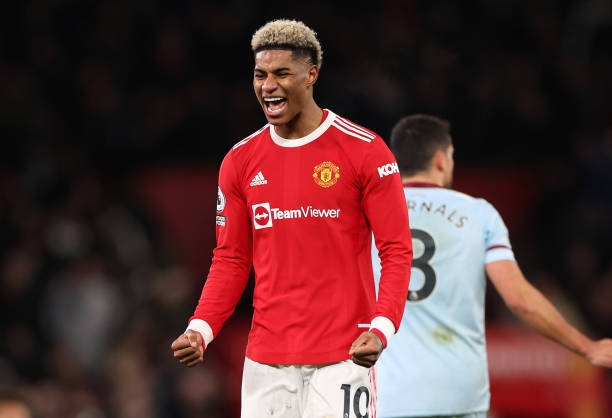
[497, 241]
[376, 266]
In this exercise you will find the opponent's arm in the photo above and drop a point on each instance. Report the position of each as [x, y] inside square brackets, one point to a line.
[525, 301]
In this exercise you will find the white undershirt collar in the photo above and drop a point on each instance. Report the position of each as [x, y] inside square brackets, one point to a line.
[298, 142]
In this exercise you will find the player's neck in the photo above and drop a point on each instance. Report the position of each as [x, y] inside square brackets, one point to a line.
[422, 179]
[304, 123]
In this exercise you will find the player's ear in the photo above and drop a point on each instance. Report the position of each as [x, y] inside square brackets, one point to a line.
[438, 161]
[312, 75]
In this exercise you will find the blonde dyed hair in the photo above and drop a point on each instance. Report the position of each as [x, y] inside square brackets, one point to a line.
[287, 34]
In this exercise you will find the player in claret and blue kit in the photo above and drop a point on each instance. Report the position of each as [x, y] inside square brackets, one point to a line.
[299, 200]
[437, 364]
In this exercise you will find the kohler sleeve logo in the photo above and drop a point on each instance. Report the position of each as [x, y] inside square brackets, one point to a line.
[388, 169]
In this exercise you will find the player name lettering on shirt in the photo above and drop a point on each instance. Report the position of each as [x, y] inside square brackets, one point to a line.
[450, 215]
[388, 169]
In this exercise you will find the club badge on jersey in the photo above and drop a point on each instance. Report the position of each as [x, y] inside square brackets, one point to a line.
[326, 174]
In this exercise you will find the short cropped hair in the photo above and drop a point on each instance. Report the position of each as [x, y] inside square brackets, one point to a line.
[289, 35]
[415, 139]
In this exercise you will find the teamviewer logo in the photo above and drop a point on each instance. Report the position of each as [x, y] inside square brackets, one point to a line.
[262, 215]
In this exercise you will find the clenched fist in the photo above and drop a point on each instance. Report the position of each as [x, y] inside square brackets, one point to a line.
[189, 348]
[366, 349]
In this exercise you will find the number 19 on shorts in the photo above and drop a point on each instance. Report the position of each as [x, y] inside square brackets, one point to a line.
[355, 404]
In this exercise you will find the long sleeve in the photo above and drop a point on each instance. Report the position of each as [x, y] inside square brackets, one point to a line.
[232, 256]
[385, 208]
[302, 213]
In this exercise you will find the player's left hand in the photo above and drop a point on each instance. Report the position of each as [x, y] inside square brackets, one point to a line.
[366, 349]
[600, 353]
[189, 348]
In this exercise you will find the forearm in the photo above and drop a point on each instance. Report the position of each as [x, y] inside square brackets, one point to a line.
[394, 281]
[220, 294]
[538, 313]
[533, 308]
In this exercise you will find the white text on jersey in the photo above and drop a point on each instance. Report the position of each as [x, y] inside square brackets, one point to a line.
[263, 215]
[388, 169]
[305, 212]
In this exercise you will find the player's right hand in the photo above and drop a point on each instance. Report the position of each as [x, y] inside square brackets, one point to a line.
[189, 348]
[600, 353]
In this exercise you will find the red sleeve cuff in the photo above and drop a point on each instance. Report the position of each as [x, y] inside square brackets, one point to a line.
[380, 335]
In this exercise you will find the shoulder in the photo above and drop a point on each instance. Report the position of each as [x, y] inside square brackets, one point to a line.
[352, 132]
[483, 209]
[479, 204]
[475, 204]
[243, 149]
[486, 206]
[450, 194]
[456, 194]
[247, 142]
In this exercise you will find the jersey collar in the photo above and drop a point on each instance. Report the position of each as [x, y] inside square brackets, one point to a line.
[420, 184]
[298, 142]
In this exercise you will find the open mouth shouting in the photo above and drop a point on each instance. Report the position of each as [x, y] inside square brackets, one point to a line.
[275, 105]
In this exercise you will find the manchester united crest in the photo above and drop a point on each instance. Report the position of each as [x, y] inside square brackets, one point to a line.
[326, 174]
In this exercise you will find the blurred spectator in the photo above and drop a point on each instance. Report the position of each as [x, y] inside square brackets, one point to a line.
[82, 308]
[11, 407]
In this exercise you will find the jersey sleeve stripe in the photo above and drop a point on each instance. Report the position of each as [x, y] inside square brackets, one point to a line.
[493, 247]
[374, 394]
[350, 125]
[385, 326]
[352, 133]
[380, 335]
[248, 138]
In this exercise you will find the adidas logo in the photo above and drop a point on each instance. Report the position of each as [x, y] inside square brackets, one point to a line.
[258, 180]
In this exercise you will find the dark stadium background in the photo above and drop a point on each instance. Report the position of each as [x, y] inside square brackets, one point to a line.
[115, 115]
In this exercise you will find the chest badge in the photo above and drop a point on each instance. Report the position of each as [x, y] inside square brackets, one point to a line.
[326, 174]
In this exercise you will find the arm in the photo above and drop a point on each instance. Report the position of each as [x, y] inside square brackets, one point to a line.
[228, 273]
[526, 302]
[385, 208]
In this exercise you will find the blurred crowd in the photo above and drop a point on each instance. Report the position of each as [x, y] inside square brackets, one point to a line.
[91, 298]
[94, 93]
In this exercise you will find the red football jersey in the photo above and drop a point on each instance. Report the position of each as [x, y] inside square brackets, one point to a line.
[302, 211]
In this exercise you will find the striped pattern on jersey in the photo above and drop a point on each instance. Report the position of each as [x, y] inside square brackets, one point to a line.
[352, 129]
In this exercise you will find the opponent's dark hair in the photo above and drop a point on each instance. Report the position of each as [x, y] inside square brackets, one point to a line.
[415, 139]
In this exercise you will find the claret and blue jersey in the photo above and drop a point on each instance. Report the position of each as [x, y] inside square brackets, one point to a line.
[436, 364]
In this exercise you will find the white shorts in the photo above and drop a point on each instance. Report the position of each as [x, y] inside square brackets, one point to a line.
[336, 390]
[470, 415]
